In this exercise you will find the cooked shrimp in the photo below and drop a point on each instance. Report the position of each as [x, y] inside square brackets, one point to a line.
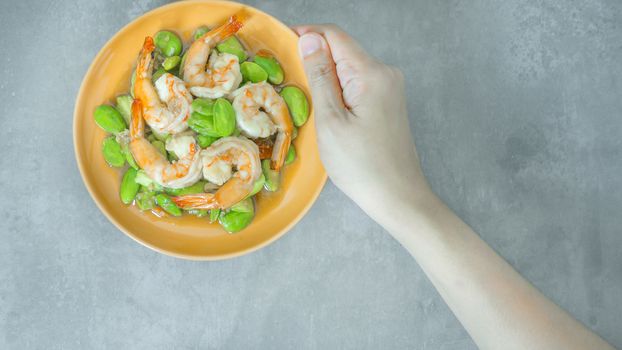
[184, 172]
[225, 75]
[166, 106]
[223, 72]
[260, 112]
[219, 162]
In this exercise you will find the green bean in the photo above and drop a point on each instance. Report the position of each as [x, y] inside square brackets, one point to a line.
[224, 117]
[243, 206]
[145, 199]
[271, 66]
[171, 62]
[198, 212]
[204, 106]
[165, 202]
[109, 119]
[202, 124]
[192, 189]
[297, 103]
[258, 185]
[234, 221]
[291, 155]
[129, 187]
[160, 146]
[146, 182]
[252, 72]
[157, 74]
[200, 31]
[213, 215]
[204, 140]
[273, 177]
[129, 157]
[113, 154]
[171, 156]
[143, 179]
[124, 106]
[162, 137]
[168, 43]
[233, 46]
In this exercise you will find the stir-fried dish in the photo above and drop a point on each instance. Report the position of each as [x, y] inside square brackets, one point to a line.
[202, 130]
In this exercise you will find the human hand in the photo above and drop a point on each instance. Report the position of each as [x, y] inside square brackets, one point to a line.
[362, 124]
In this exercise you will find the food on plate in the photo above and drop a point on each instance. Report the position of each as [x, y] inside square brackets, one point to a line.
[206, 127]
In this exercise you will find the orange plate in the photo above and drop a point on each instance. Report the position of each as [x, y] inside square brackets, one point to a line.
[191, 237]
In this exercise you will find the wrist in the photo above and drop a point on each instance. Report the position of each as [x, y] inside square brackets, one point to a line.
[400, 212]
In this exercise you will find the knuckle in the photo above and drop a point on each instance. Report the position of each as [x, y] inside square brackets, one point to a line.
[320, 73]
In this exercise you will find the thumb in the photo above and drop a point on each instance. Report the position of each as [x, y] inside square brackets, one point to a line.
[320, 69]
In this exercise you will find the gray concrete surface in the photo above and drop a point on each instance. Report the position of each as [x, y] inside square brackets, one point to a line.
[516, 108]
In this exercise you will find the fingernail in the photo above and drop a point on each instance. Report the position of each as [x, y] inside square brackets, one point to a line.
[309, 44]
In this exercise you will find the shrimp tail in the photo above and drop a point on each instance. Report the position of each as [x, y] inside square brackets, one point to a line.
[143, 68]
[196, 201]
[233, 25]
[279, 151]
[137, 127]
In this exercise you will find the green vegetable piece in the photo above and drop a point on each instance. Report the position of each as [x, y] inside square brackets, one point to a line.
[273, 178]
[224, 117]
[198, 212]
[237, 132]
[157, 74]
[145, 199]
[192, 189]
[171, 62]
[297, 104]
[202, 124]
[160, 146]
[204, 140]
[143, 179]
[129, 157]
[129, 187]
[258, 185]
[113, 154]
[291, 155]
[213, 215]
[234, 221]
[109, 119]
[165, 202]
[244, 206]
[124, 106]
[146, 182]
[271, 66]
[200, 31]
[168, 43]
[171, 156]
[233, 46]
[158, 136]
[252, 72]
[294, 133]
[204, 106]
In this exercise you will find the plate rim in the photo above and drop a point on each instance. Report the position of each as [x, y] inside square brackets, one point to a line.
[78, 153]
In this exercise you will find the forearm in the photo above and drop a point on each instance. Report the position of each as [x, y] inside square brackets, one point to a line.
[498, 307]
